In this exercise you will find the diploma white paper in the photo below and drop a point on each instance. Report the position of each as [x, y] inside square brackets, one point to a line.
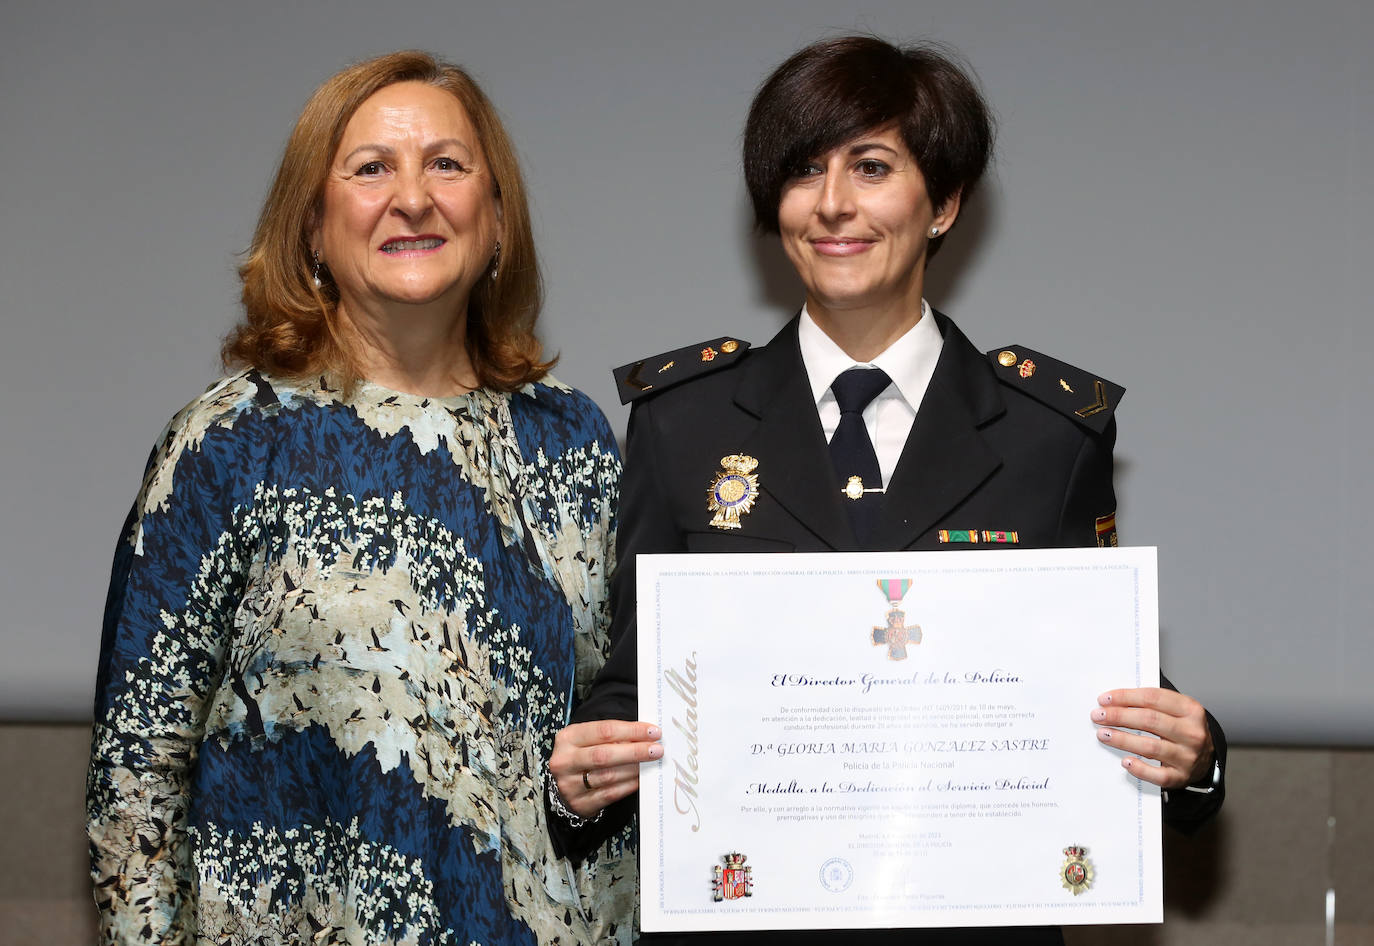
[874, 770]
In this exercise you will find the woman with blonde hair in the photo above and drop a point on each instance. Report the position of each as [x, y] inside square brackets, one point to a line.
[365, 575]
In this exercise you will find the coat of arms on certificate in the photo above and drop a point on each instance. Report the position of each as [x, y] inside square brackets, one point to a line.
[734, 881]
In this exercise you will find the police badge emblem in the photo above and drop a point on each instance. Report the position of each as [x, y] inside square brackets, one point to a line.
[734, 881]
[854, 489]
[733, 490]
[895, 633]
[1076, 873]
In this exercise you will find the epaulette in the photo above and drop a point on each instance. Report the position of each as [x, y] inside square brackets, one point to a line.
[651, 375]
[1075, 393]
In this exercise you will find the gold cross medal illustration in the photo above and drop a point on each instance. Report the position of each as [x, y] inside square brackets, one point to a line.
[896, 634]
[733, 490]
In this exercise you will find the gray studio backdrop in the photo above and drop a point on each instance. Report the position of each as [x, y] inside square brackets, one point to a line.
[1182, 202]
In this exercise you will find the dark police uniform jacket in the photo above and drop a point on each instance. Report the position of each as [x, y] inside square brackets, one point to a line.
[995, 449]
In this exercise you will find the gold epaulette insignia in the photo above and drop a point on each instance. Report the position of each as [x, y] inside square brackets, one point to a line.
[660, 372]
[1058, 384]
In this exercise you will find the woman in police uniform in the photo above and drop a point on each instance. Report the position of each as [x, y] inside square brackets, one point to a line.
[870, 422]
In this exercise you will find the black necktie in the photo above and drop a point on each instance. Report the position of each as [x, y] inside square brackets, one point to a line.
[851, 450]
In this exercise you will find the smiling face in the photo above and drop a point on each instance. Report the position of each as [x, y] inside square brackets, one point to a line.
[410, 214]
[856, 222]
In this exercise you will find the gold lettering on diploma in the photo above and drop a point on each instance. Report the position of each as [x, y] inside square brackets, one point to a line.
[685, 783]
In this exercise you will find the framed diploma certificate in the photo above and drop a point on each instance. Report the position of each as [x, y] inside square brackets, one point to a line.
[894, 739]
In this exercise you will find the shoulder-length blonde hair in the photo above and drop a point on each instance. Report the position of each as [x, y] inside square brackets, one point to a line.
[290, 326]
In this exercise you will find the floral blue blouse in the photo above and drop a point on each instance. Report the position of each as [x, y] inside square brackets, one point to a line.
[339, 638]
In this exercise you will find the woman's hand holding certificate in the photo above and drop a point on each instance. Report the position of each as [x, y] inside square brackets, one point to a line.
[596, 764]
[1177, 734]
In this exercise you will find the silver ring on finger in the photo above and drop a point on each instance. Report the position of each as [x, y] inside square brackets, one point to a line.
[586, 782]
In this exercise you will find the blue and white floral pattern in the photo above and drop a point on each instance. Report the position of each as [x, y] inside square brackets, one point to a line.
[339, 638]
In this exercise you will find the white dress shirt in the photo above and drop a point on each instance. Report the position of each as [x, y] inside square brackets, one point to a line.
[909, 362]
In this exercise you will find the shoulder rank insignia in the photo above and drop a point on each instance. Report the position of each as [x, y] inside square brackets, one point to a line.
[1079, 395]
[651, 375]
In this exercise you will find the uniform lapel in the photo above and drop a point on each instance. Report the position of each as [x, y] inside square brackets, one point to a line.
[945, 458]
[794, 462]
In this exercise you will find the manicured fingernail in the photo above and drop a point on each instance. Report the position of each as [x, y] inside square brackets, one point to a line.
[655, 732]
[1104, 699]
[1105, 735]
[1099, 714]
[1126, 763]
[655, 751]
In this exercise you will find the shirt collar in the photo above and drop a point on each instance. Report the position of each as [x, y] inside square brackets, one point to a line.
[909, 361]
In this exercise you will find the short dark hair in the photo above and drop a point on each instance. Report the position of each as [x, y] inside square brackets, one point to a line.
[835, 90]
